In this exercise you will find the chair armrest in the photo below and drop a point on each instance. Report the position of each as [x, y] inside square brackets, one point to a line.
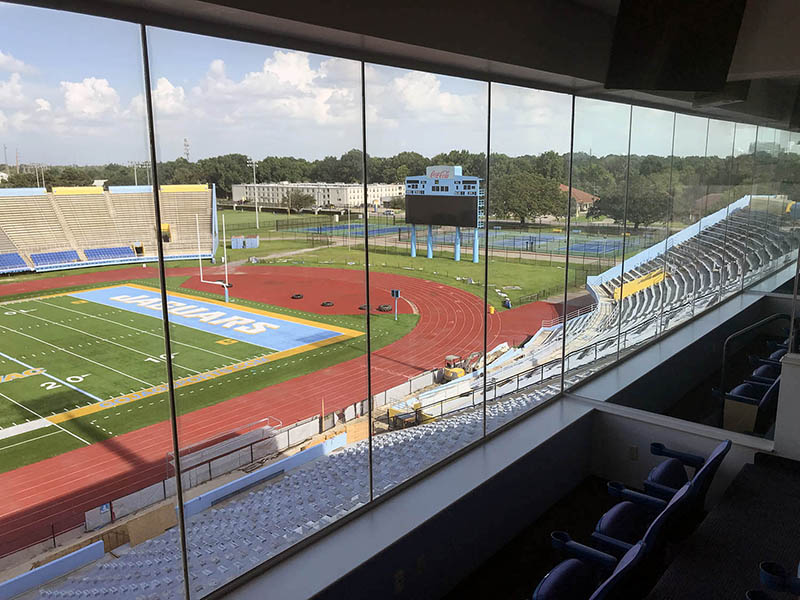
[651, 503]
[561, 540]
[775, 577]
[759, 379]
[614, 546]
[659, 491]
[690, 460]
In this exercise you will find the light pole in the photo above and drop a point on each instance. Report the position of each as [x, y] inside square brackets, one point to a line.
[251, 163]
[140, 165]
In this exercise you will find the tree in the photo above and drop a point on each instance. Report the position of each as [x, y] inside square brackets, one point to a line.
[296, 200]
[402, 173]
[397, 202]
[647, 201]
[526, 195]
[225, 171]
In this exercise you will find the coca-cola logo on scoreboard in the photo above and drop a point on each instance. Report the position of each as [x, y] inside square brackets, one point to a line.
[440, 175]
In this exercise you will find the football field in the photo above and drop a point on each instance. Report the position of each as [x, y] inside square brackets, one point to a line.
[83, 366]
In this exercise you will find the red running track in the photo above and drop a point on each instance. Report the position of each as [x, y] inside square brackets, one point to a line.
[57, 491]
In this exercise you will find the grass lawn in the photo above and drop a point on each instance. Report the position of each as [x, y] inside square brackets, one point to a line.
[94, 351]
[529, 276]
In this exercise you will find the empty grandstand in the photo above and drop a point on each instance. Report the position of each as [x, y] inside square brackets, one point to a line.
[248, 528]
[73, 227]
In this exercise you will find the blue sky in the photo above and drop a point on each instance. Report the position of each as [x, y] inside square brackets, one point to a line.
[71, 92]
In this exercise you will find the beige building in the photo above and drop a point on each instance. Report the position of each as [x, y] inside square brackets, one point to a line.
[336, 195]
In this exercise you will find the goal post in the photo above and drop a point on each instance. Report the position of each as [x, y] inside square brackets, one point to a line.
[226, 285]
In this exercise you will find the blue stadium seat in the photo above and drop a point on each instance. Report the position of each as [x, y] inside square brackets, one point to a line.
[43, 259]
[629, 520]
[577, 578]
[766, 373]
[773, 359]
[639, 564]
[12, 262]
[762, 395]
[110, 253]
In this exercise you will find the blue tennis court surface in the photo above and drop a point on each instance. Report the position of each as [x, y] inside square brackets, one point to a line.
[596, 247]
[271, 332]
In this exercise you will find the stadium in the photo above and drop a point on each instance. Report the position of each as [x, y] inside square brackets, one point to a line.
[475, 328]
[70, 399]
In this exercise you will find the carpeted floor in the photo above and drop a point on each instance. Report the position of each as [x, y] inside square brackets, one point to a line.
[515, 571]
[756, 520]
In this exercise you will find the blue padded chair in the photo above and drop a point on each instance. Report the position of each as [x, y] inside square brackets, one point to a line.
[766, 373]
[773, 359]
[577, 578]
[764, 396]
[629, 520]
[648, 552]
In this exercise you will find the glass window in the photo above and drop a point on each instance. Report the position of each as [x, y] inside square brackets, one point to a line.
[426, 359]
[84, 413]
[528, 209]
[600, 170]
[269, 323]
[686, 273]
[640, 291]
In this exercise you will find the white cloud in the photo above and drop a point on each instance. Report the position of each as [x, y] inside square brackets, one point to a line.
[9, 63]
[167, 98]
[91, 98]
[3, 121]
[42, 105]
[11, 94]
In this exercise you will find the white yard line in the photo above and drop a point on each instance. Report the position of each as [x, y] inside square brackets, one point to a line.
[41, 417]
[7, 432]
[98, 337]
[160, 336]
[147, 383]
[30, 440]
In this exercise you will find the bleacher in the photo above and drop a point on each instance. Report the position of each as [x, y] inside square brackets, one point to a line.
[12, 262]
[249, 528]
[109, 253]
[86, 226]
[43, 259]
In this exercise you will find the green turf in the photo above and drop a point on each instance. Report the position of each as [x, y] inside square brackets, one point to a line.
[107, 352]
[529, 276]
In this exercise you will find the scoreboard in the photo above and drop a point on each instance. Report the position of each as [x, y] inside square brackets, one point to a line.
[443, 196]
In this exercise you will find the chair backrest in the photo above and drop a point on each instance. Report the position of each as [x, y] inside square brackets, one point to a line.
[619, 582]
[767, 408]
[703, 478]
[656, 535]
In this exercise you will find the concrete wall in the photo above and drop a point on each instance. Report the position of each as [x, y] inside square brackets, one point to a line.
[207, 500]
[41, 575]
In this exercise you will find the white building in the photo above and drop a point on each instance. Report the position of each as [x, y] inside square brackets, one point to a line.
[335, 195]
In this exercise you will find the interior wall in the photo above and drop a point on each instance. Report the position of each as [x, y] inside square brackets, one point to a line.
[621, 450]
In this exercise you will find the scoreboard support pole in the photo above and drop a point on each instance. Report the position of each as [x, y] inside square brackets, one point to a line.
[430, 241]
[475, 246]
[457, 248]
[413, 241]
